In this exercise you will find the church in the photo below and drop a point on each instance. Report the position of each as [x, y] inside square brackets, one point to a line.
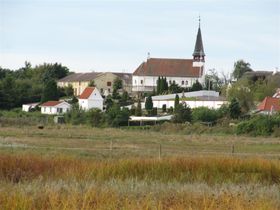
[183, 72]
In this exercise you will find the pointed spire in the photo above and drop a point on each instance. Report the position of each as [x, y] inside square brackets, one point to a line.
[198, 53]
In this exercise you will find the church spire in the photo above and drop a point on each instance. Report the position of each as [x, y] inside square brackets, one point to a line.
[198, 53]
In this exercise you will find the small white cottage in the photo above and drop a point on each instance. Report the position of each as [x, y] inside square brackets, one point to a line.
[91, 98]
[55, 107]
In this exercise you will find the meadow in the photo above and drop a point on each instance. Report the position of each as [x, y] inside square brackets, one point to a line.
[78, 167]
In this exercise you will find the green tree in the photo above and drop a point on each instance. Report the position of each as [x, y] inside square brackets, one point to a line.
[182, 114]
[196, 86]
[95, 117]
[138, 111]
[174, 88]
[234, 109]
[149, 105]
[91, 83]
[240, 67]
[176, 102]
[116, 116]
[50, 92]
[204, 114]
[158, 85]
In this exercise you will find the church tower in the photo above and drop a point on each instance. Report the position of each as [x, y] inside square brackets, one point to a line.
[198, 53]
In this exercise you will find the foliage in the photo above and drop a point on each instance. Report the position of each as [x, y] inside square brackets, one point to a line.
[196, 86]
[162, 85]
[95, 117]
[258, 126]
[163, 108]
[149, 105]
[50, 91]
[204, 114]
[108, 102]
[174, 88]
[182, 114]
[27, 83]
[125, 99]
[242, 90]
[240, 67]
[212, 81]
[116, 116]
[234, 109]
[91, 83]
[176, 102]
[138, 111]
[76, 115]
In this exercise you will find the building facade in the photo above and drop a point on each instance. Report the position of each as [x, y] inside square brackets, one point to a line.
[183, 72]
[102, 80]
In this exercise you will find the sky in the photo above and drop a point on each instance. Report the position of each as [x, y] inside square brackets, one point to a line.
[113, 35]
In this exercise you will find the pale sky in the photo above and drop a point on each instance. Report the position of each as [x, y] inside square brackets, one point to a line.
[116, 35]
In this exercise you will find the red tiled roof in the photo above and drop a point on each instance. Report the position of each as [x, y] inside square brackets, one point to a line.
[86, 93]
[168, 67]
[51, 103]
[269, 104]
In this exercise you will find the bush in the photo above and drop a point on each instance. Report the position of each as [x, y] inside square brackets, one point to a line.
[95, 117]
[182, 114]
[257, 126]
[164, 108]
[203, 114]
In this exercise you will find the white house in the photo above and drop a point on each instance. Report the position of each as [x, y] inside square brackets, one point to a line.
[28, 107]
[91, 98]
[183, 72]
[55, 107]
[205, 98]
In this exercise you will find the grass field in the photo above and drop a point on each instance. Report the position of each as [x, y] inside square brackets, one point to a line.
[89, 168]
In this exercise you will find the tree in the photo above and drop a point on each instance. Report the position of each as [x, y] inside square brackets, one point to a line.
[91, 83]
[158, 85]
[174, 88]
[69, 91]
[182, 114]
[94, 117]
[176, 102]
[50, 91]
[234, 109]
[240, 67]
[138, 111]
[117, 85]
[196, 86]
[212, 80]
[149, 105]
[117, 116]
[204, 114]
[243, 91]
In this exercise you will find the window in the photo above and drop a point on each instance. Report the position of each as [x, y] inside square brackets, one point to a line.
[169, 82]
[173, 81]
[135, 82]
[59, 110]
[141, 82]
[101, 90]
[186, 82]
[183, 82]
[44, 109]
[109, 90]
[109, 84]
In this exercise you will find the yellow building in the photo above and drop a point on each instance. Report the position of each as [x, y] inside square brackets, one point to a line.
[102, 80]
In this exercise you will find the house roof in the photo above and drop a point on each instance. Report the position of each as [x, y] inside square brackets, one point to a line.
[269, 104]
[76, 77]
[51, 103]
[168, 67]
[86, 93]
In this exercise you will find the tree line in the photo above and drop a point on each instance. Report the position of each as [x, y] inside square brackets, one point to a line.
[31, 84]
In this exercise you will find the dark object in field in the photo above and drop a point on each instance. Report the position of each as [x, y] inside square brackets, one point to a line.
[40, 127]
